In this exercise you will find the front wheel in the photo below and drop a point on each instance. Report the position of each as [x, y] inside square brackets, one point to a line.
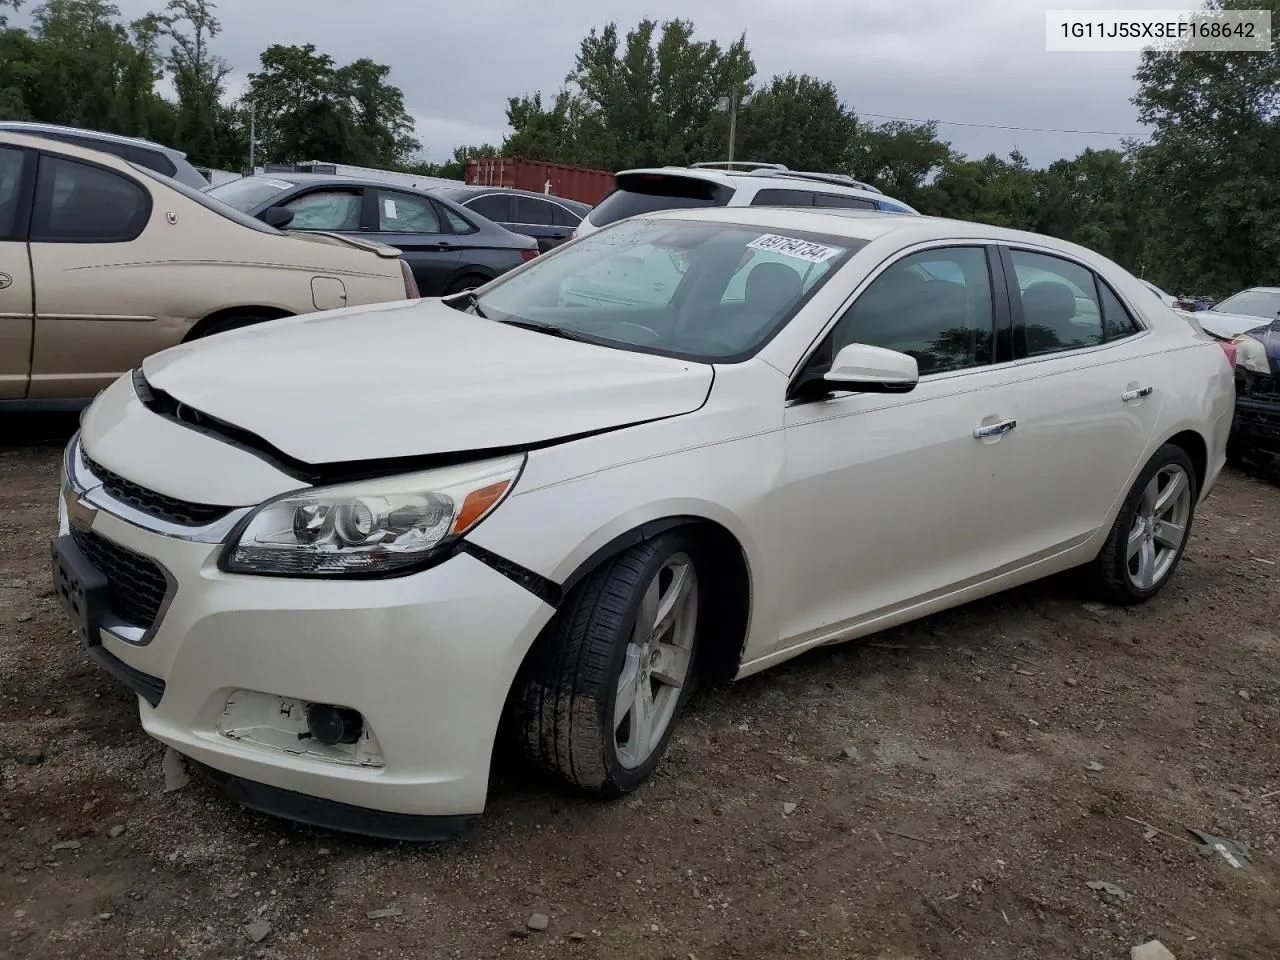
[609, 678]
[1149, 535]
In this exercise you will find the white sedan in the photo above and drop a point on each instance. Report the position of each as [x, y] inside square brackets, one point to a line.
[338, 556]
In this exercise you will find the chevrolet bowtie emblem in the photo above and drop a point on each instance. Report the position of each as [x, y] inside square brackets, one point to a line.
[80, 513]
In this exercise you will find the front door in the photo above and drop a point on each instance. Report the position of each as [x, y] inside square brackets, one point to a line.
[422, 232]
[16, 293]
[96, 316]
[895, 499]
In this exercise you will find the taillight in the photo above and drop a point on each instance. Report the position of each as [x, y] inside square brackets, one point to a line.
[527, 255]
[1230, 350]
[410, 284]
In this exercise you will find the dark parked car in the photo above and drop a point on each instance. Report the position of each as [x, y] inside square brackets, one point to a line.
[449, 248]
[549, 220]
[1255, 431]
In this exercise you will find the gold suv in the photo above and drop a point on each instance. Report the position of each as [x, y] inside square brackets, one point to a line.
[103, 262]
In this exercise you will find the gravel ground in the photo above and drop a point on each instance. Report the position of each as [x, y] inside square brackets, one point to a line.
[948, 789]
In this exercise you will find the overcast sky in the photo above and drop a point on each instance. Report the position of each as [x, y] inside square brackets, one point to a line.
[964, 61]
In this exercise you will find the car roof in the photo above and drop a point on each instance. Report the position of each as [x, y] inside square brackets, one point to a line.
[33, 141]
[472, 189]
[342, 179]
[1260, 290]
[35, 129]
[865, 225]
[761, 177]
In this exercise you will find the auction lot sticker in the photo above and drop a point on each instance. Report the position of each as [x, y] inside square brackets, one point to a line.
[791, 247]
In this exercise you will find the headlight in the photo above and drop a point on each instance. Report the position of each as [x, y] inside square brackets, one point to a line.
[369, 527]
[1251, 354]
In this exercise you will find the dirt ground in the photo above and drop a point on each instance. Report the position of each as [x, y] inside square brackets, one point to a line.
[948, 789]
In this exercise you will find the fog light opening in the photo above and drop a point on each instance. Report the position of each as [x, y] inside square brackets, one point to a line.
[332, 725]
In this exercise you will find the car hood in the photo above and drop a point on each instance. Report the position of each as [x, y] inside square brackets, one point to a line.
[417, 378]
[1227, 325]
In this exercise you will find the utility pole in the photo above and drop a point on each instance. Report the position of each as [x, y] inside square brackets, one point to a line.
[253, 136]
[733, 124]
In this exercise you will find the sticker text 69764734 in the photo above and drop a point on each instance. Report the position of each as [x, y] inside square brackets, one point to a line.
[791, 247]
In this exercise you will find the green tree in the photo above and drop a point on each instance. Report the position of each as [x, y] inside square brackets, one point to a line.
[1211, 173]
[209, 130]
[648, 98]
[799, 121]
[990, 190]
[309, 108]
[900, 158]
[1090, 200]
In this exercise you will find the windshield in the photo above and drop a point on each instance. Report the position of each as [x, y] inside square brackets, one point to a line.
[202, 197]
[1251, 303]
[248, 193]
[709, 292]
[636, 193]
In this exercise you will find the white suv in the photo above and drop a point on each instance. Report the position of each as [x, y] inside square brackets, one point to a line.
[707, 185]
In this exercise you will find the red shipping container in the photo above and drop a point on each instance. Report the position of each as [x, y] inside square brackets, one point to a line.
[572, 183]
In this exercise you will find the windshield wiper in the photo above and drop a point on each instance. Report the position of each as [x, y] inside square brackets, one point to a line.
[467, 301]
[551, 330]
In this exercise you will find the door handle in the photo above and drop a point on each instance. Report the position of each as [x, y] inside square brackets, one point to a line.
[1137, 394]
[994, 429]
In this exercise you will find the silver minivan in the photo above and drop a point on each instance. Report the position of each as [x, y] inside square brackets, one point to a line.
[154, 156]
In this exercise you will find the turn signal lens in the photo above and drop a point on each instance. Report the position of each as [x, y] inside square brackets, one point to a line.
[477, 504]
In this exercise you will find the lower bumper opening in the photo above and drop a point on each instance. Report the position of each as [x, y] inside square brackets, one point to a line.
[332, 815]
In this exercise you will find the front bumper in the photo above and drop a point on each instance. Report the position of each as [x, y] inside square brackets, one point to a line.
[426, 659]
[1256, 427]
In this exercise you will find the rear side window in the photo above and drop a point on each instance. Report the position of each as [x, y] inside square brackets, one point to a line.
[783, 198]
[80, 203]
[646, 192]
[1117, 322]
[843, 201]
[564, 217]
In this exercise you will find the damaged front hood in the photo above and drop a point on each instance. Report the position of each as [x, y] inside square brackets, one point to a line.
[414, 379]
[1227, 325]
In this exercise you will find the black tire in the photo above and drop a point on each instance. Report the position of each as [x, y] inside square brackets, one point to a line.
[469, 282]
[1235, 452]
[224, 324]
[567, 698]
[1112, 568]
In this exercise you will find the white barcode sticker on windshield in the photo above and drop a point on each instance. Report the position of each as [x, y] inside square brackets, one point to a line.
[791, 247]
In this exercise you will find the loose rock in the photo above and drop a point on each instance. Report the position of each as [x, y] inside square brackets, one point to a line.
[1152, 950]
[175, 772]
[67, 845]
[257, 931]
[850, 752]
[577, 935]
[30, 758]
[1108, 891]
[1095, 766]
[384, 913]
[115, 831]
[539, 922]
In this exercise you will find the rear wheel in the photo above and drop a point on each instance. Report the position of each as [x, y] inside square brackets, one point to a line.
[1149, 535]
[223, 324]
[463, 284]
[615, 668]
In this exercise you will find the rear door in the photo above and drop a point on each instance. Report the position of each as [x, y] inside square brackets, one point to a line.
[1086, 402]
[421, 230]
[537, 218]
[17, 318]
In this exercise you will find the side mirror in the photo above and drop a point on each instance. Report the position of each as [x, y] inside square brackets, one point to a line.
[867, 369]
[278, 217]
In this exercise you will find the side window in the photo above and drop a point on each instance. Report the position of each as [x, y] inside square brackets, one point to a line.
[782, 198]
[934, 305]
[531, 211]
[10, 183]
[337, 210]
[1117, 322]
[492, 206]
[843, 200]
[890, 207]
[151, 159]
[457, 223]
[1059, 303]
[564, 217]
[405, 213]
[80, 203]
